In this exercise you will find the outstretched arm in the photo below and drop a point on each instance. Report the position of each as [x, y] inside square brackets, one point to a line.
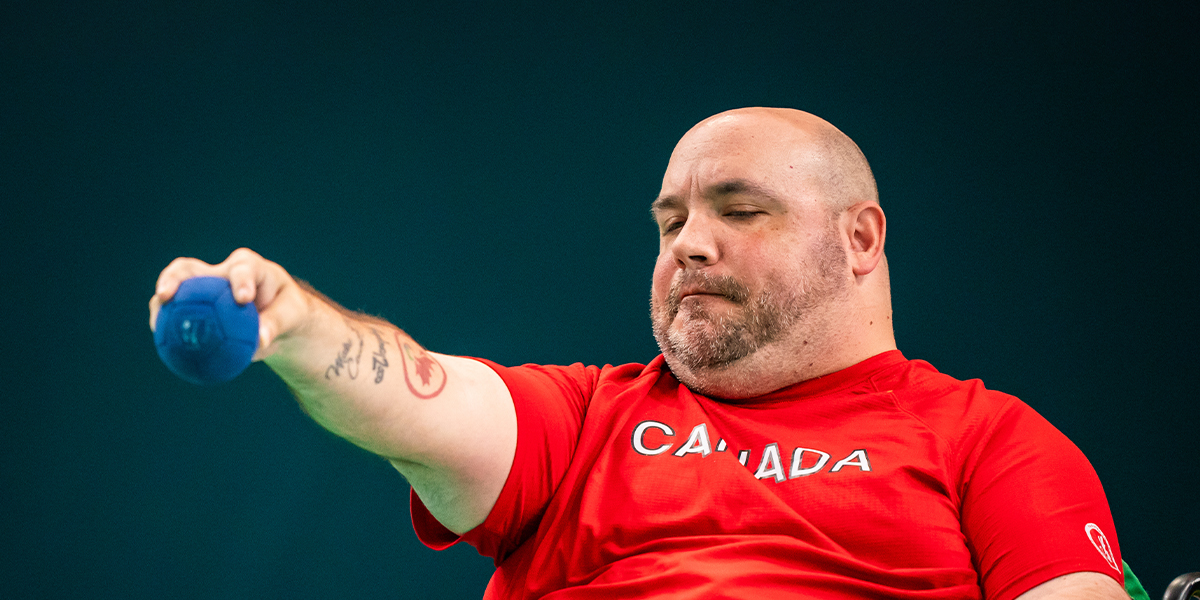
[446, 423]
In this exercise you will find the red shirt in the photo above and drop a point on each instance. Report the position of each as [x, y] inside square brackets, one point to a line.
[885, 479]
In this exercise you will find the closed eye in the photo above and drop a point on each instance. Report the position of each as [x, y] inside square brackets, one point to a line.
[744, 214]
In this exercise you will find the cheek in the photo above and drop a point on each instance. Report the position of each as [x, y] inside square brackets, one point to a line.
[664, 271]
[760, 266]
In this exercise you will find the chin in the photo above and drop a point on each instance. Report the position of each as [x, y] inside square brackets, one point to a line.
[727, 382]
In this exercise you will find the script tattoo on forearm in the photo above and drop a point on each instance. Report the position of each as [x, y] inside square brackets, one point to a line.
[424, 375]
[379, 358]
[344, 360]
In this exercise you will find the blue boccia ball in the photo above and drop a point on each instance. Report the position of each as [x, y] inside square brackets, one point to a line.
[203, 335]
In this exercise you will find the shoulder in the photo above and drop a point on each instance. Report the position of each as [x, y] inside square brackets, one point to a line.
[958, 411]
[918, 386]
[578, 381]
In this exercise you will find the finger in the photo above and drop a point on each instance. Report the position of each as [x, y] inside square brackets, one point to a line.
[155, 306]
[243, 279]
[271, 279]
[244, 269]
[180, 270]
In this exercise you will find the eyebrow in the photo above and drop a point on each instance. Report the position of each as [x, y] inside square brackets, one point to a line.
[739, 186]
[727, 187]
[662, 203]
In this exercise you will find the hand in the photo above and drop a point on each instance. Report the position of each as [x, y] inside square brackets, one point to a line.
[282, 303]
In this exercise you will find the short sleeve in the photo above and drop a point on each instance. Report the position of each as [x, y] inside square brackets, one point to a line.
[1032, 507]
[550, 403]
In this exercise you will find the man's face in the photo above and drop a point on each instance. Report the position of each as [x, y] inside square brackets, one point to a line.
[748, 254]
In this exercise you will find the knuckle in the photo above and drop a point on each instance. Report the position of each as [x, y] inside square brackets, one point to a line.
[279, 273]
[184, 266]
[179, 263]
[243, 254]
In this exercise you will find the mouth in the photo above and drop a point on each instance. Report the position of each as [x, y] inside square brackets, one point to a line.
[702, 294]
[700, 286]
[699, 299]
[723, 288]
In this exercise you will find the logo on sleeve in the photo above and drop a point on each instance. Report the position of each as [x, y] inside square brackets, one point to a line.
[1101, 543]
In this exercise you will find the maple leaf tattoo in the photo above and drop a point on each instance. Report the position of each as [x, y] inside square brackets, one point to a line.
[424, 368]
[420, 367]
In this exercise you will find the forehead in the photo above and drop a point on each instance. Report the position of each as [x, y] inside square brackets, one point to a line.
[731, 155]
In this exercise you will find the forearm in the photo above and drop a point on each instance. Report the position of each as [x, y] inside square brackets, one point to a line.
[446, 423]
[342, 367]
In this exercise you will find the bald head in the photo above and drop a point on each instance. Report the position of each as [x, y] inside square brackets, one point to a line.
[817, 153]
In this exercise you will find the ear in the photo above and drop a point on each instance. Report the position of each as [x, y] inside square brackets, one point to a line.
[865, 226]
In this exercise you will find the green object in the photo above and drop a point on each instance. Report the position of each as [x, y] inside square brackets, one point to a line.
[1133, 587]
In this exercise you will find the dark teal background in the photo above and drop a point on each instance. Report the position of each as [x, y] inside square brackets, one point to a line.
[480, 174]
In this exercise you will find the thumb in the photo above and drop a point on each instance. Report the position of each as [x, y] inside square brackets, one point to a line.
[266, 335]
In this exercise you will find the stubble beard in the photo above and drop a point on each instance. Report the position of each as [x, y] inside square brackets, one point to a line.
[706, 342]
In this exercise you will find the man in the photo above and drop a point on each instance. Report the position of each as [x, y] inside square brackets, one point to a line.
[781, 447]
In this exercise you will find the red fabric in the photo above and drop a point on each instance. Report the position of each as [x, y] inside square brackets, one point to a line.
[933, 488]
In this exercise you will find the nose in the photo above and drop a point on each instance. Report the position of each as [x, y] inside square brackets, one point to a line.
[696, 243]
